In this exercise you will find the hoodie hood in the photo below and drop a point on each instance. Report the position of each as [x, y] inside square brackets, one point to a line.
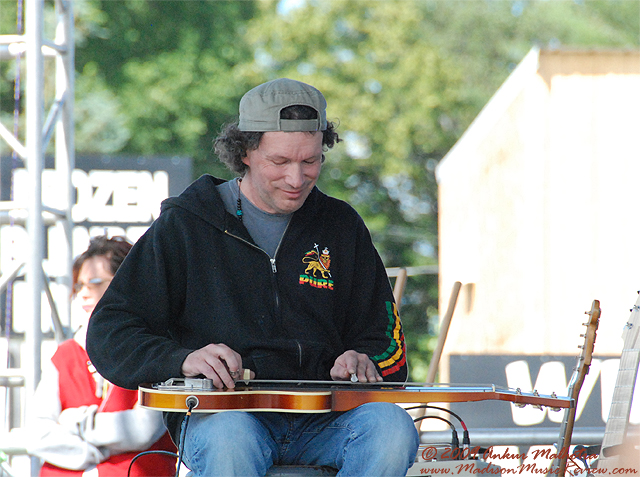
[202, 199]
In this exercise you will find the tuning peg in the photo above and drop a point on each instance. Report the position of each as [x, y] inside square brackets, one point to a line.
[519, 393]
[535, 393]
[554, 409]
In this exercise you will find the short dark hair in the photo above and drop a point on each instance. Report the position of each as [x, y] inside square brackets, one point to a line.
[232, 145]
[113, 249]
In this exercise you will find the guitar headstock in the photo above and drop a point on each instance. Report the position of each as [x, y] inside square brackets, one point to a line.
[559, 465]
[590, 336]
[629, 332]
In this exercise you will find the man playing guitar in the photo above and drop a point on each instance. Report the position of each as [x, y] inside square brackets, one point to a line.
[268, 274]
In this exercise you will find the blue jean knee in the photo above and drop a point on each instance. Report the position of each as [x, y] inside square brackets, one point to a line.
[385, 443]
[227, 443]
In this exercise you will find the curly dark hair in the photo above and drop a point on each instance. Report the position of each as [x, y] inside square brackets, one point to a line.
[232, 145]
[114, 249]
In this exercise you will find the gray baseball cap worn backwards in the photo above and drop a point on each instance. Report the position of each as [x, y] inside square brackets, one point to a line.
[260, 107]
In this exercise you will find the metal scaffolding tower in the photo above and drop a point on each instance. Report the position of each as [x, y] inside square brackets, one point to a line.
[38, 131]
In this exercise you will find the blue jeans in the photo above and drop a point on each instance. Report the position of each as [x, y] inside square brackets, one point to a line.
[375, 439]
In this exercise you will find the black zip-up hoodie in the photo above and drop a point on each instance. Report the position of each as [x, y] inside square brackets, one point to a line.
[196, 277]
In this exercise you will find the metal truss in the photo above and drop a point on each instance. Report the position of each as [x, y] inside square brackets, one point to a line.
[38, 133]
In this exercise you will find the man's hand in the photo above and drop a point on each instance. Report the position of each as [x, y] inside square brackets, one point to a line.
[217, 362]
[351, 362]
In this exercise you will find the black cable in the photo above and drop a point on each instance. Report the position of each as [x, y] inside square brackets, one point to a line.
[455, 443]
[172, 454]
[466, 440]
[429, 406]
[191, 402]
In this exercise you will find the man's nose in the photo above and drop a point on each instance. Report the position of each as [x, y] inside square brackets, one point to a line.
[295, 175]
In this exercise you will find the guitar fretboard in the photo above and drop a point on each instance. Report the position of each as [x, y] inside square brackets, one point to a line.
[618, 419]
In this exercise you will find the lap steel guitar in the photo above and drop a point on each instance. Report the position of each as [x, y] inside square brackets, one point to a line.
[180, 394]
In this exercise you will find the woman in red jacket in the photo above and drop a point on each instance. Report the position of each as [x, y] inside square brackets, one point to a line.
[82, 424]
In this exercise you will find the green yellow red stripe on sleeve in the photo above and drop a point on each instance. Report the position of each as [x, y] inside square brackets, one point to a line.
[394, 357]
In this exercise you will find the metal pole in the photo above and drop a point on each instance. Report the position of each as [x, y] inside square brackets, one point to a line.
[65, 148]
[32, 354]
[34, 26]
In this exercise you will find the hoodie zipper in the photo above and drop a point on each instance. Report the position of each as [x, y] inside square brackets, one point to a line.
[274, 269]
[299, 354]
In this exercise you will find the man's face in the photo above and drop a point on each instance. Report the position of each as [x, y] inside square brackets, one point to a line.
[283, 170]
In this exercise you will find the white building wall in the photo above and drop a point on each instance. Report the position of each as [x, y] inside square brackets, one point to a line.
[537, 208]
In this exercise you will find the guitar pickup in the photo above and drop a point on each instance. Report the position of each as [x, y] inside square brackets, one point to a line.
[185, 384]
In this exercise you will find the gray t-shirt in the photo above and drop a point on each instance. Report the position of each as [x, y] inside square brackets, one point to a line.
[266, 229]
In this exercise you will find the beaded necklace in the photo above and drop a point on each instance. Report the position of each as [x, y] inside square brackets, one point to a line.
[239, 202]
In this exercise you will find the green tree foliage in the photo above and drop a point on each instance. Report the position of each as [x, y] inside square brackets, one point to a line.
[171, 67]
[405, 79]
[9, 25]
